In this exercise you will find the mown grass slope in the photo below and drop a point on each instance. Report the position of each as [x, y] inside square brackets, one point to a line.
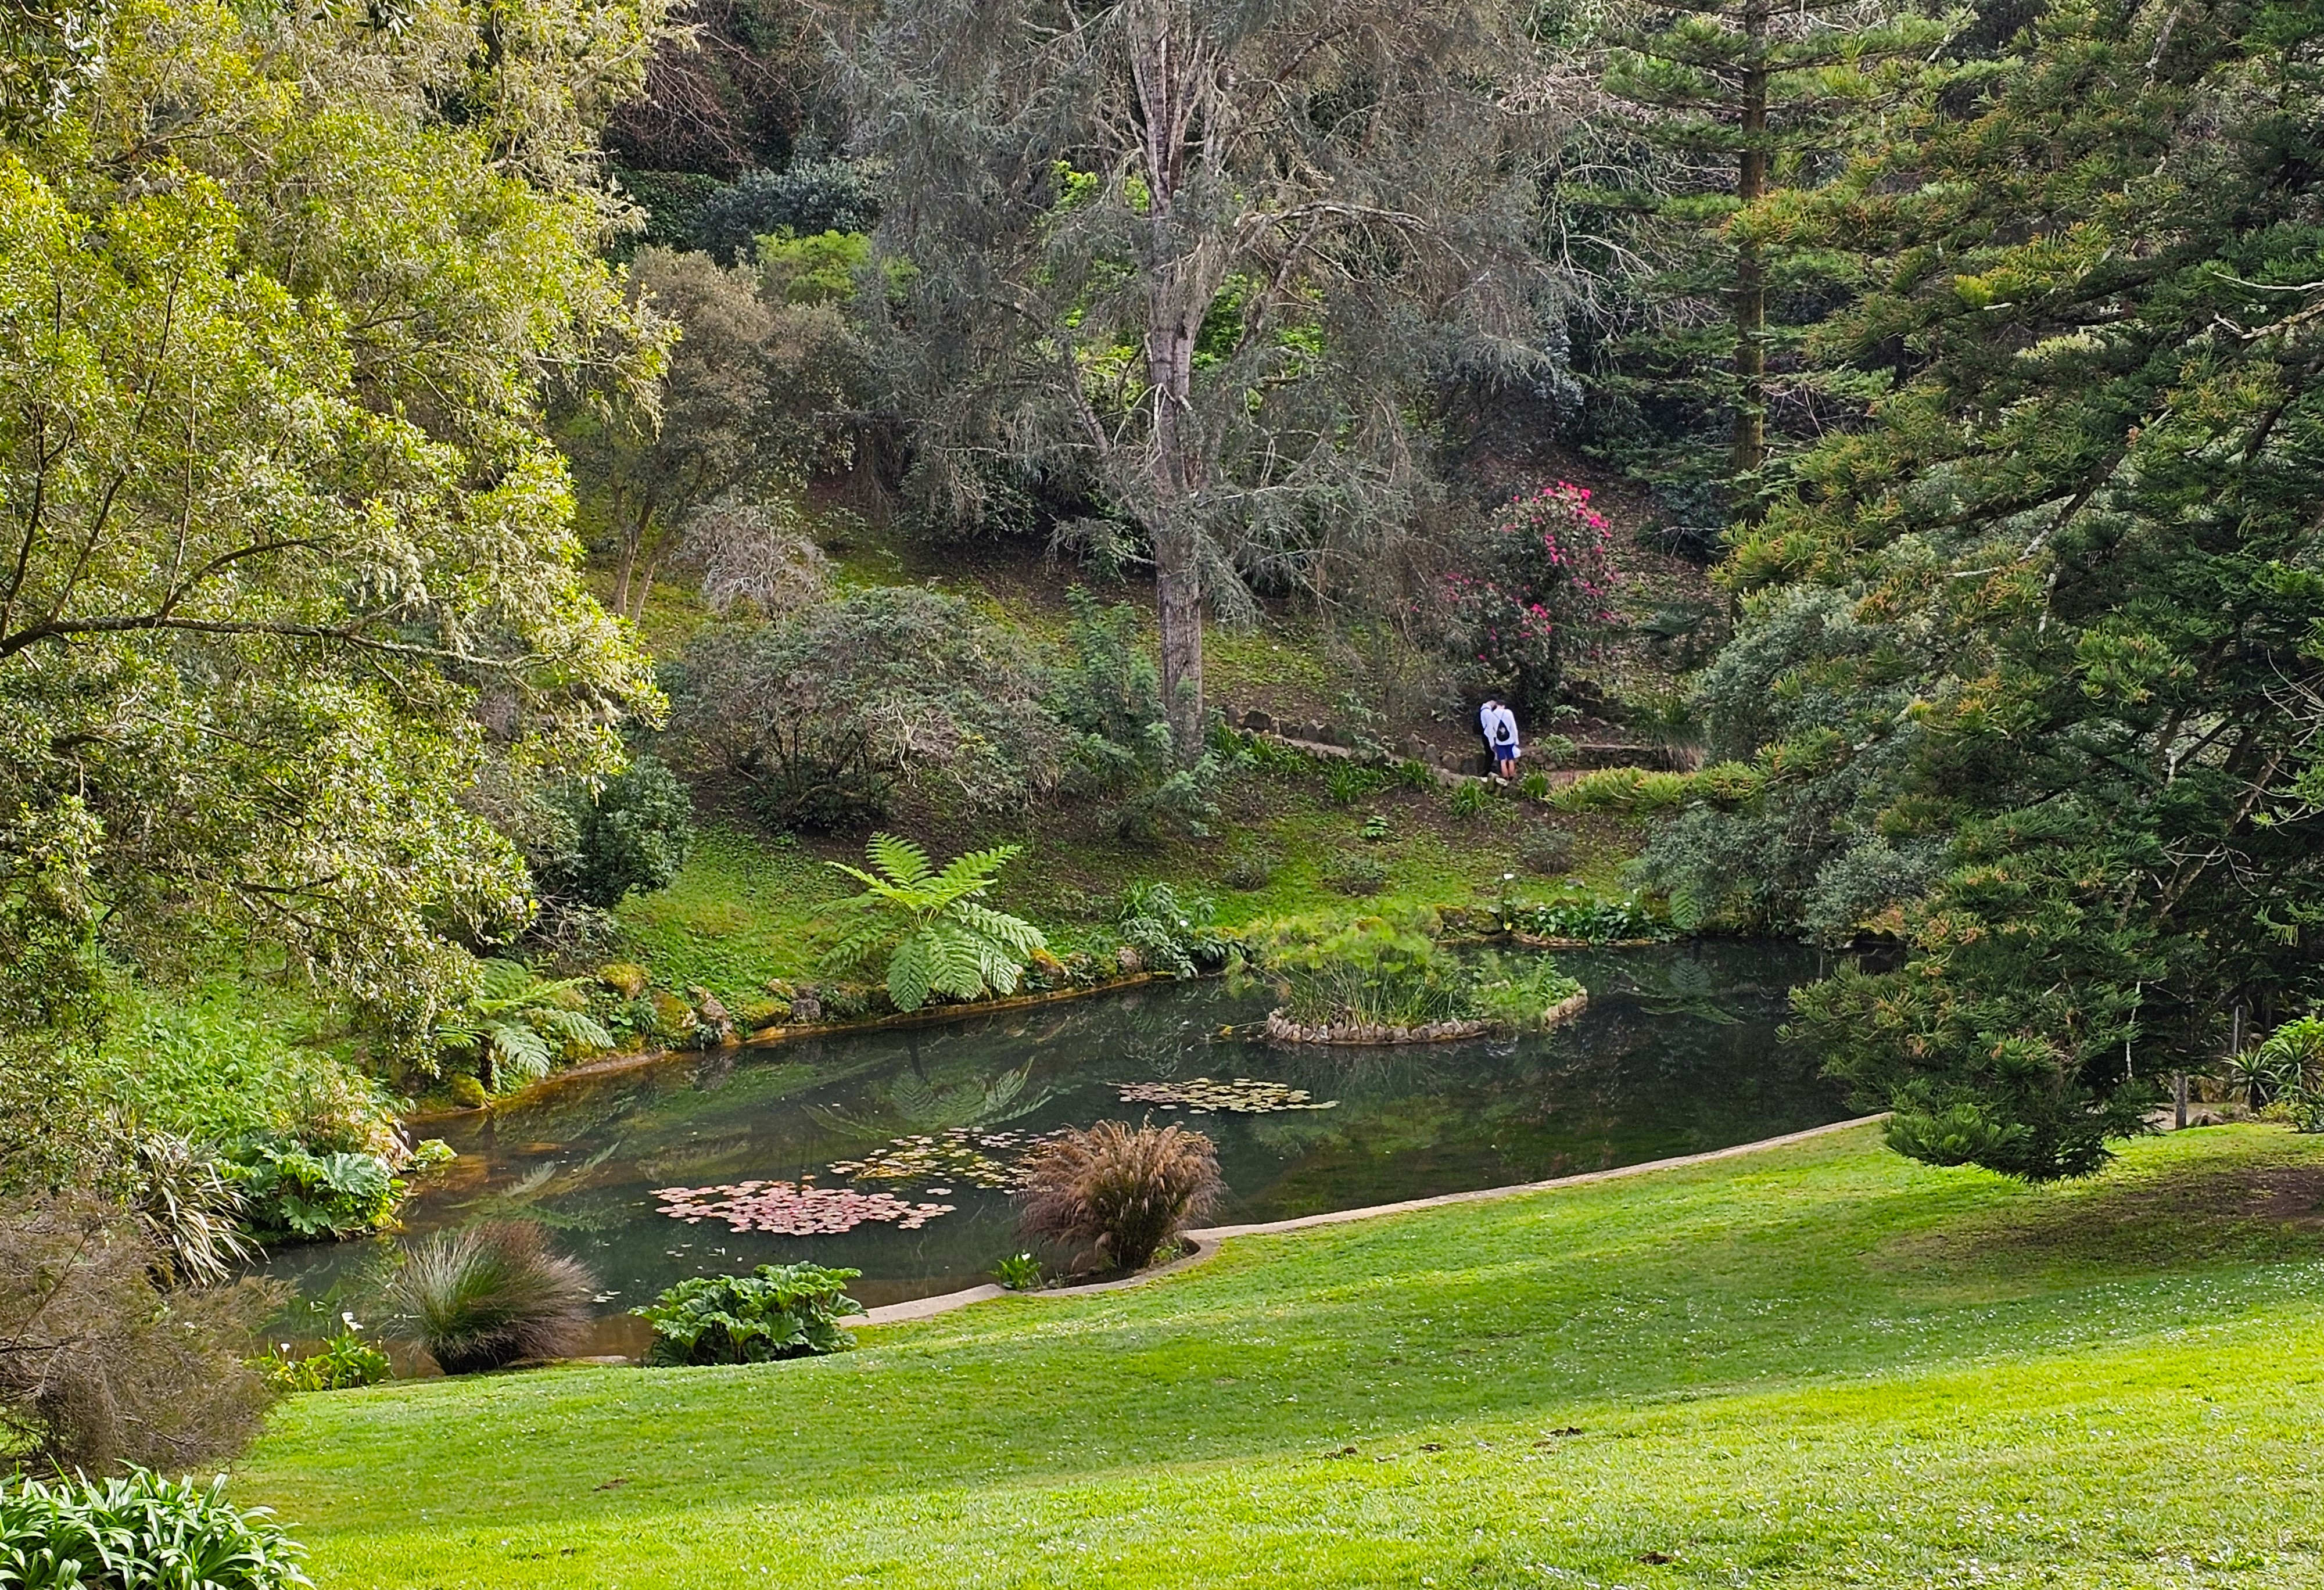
[1821, 1364]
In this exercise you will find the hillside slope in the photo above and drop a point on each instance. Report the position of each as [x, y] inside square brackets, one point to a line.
[1822, 1365]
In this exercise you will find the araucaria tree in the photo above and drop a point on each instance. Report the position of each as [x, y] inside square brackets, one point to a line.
[1188, 261]
[1745, 103]
[2040, 654]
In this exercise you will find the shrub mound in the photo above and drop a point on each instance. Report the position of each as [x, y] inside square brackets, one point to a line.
[103, 1363]
[1375, 981]
[777, 1311]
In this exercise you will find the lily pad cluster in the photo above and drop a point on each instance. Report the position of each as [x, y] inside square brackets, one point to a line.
[963, 1154]
[1203, 1096]
[787, 1209]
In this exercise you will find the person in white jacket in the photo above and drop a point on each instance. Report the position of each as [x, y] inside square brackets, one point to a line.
[1500, 727]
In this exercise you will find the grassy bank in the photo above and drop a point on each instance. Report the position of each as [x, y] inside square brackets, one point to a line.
[1819, 1365]
[746, 905]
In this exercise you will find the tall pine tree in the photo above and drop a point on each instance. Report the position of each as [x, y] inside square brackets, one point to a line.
[2039, 656]
[1738, 107]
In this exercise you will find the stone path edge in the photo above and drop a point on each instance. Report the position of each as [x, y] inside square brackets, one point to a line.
[1204, 1244]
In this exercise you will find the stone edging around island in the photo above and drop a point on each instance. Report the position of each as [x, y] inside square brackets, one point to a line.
[1204, 1244]
[1282, 1029]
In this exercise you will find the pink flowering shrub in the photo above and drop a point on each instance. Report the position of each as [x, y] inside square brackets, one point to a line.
[1536, 591]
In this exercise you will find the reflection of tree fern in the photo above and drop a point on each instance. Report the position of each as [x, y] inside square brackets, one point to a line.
[916, 1105]
[1684, 987]
[522, 1198]
[1154, 1040]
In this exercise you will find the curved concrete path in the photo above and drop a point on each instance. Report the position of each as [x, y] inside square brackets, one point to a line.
[1205, 1243]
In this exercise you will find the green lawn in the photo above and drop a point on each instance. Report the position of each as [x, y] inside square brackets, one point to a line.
[1817, 1365]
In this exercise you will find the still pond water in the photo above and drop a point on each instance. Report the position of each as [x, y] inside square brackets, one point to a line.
[911, 1133]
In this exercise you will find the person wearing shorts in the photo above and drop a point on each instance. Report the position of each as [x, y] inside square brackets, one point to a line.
[1499, 726]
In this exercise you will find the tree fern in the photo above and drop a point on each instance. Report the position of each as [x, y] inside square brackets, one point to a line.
[938, 937]
[515, 1023]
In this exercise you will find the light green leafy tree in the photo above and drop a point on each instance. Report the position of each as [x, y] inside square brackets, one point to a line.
[515, 1023]
[937, 934]
[287, 561]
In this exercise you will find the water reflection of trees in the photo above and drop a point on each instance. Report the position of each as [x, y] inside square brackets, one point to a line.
[1676, 1049]
[915, 1102]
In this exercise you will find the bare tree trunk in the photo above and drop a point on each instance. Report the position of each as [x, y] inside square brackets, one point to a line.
[629, 558]
[1751, 447]
[1177, 537]
[1170, 64]
[645, 590]
[633, 541]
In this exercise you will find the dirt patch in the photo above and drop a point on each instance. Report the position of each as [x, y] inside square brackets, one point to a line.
[2265, 1202]
[2290, 1195]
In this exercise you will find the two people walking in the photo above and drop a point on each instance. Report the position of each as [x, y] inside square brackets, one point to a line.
[1499, 728]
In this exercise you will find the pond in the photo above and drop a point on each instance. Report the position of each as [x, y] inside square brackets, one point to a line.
[909, 1133]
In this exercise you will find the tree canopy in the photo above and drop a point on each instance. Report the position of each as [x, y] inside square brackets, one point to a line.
[2037, 658]
[1190, 265]
[287, 551]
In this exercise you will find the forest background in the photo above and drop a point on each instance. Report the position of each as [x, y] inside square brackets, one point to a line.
[467, 464]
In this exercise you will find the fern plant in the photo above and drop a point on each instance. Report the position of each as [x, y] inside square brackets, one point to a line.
[938, 936]
[516, 1023]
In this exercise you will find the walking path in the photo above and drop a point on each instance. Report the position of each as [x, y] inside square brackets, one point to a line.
[1205, 1244]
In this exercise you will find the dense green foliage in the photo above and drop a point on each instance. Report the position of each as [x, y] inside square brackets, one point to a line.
[2291, 1067]
[345, 1361]
[1106, 687]
[826, 712]
[2034, 660]
[1383, 973]
[142, 1530]
[1172, 931]
[806, 199]
[515, 1025]
[1371, 972]
[288, 1191]
[280, 506]
[776, 1311]
[1821, 1364]
[1729, 112]
[623, 834]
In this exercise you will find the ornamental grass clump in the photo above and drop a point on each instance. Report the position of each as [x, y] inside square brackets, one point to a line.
[777, 1311]
[490, 1296]
[1116, 1193]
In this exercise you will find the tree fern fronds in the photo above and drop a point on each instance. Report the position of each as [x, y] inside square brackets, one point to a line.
[904, 863]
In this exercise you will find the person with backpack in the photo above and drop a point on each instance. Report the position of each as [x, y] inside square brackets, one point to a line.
[1500, 727]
